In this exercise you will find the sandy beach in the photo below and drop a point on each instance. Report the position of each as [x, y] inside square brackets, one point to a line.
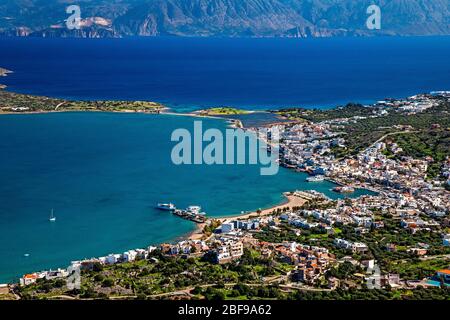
[290, 202]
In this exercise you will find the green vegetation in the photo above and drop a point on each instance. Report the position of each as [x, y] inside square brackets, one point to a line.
[413, 269]
[152, 277]
[318, 115]
[407, 264]
[209, 229]
[431, 143]
[245, 292]
[285, 232]
[222, 111]
[378, 294]
[14, 102]
[361, 134]
[344, 271]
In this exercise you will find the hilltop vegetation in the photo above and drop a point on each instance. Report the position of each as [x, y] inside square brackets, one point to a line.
[318, 115]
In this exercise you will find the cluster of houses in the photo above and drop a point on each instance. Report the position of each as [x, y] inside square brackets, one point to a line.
[347, 212]
[86, 264]
[311, 262]
[413, 104]
[236, 225]
[355, 247]
[307, 146]
[223, 249]
[228, 250]
[404, 180]
[48, 275]
[185, 247]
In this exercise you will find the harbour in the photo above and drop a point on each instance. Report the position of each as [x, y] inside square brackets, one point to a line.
[98, 202]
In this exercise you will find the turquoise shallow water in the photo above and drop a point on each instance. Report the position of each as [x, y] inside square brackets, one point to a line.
[103, 173]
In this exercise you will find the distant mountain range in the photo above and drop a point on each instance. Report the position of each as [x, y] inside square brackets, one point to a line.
[230, 18]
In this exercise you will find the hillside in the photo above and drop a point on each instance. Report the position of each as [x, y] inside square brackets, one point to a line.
[231, 18]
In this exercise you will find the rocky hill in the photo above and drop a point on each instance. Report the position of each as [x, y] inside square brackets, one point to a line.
[230, 18]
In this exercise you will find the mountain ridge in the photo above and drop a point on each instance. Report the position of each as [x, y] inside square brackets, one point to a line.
[227, 18]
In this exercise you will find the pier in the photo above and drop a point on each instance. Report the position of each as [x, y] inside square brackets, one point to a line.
[197, 218]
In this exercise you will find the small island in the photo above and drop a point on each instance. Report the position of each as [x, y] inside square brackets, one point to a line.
[222, 111]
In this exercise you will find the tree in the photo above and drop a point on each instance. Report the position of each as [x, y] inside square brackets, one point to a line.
[108, 282]
[197, 290]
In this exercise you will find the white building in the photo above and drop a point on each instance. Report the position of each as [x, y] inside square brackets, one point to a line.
[112, 258]
[227, 227]
[129, 256]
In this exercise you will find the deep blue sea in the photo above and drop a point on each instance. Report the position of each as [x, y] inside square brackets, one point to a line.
[103, 173]
[191, 73]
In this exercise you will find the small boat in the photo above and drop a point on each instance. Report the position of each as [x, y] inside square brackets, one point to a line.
[194, 209]
[52, 217]
[344, 189]
[315, 179]
[166, 206]
[26, 255]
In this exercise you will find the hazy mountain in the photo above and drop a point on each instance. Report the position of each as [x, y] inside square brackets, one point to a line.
[293, 18]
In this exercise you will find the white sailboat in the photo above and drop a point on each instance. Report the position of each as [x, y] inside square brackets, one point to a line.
[52, 217]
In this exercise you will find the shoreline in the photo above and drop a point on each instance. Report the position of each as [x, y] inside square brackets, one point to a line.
[290, 201]
[233, 123]
[197, 233]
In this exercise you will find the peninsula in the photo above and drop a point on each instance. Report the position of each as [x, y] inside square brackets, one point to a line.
[25, 103]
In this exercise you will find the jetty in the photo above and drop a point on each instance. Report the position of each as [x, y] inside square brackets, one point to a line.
[188, 215]
[191, 213]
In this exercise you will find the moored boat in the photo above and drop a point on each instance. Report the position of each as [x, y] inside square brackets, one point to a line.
[52, 217]
[166, 206]
[194, 209]
[315, 179]
[344, 189]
